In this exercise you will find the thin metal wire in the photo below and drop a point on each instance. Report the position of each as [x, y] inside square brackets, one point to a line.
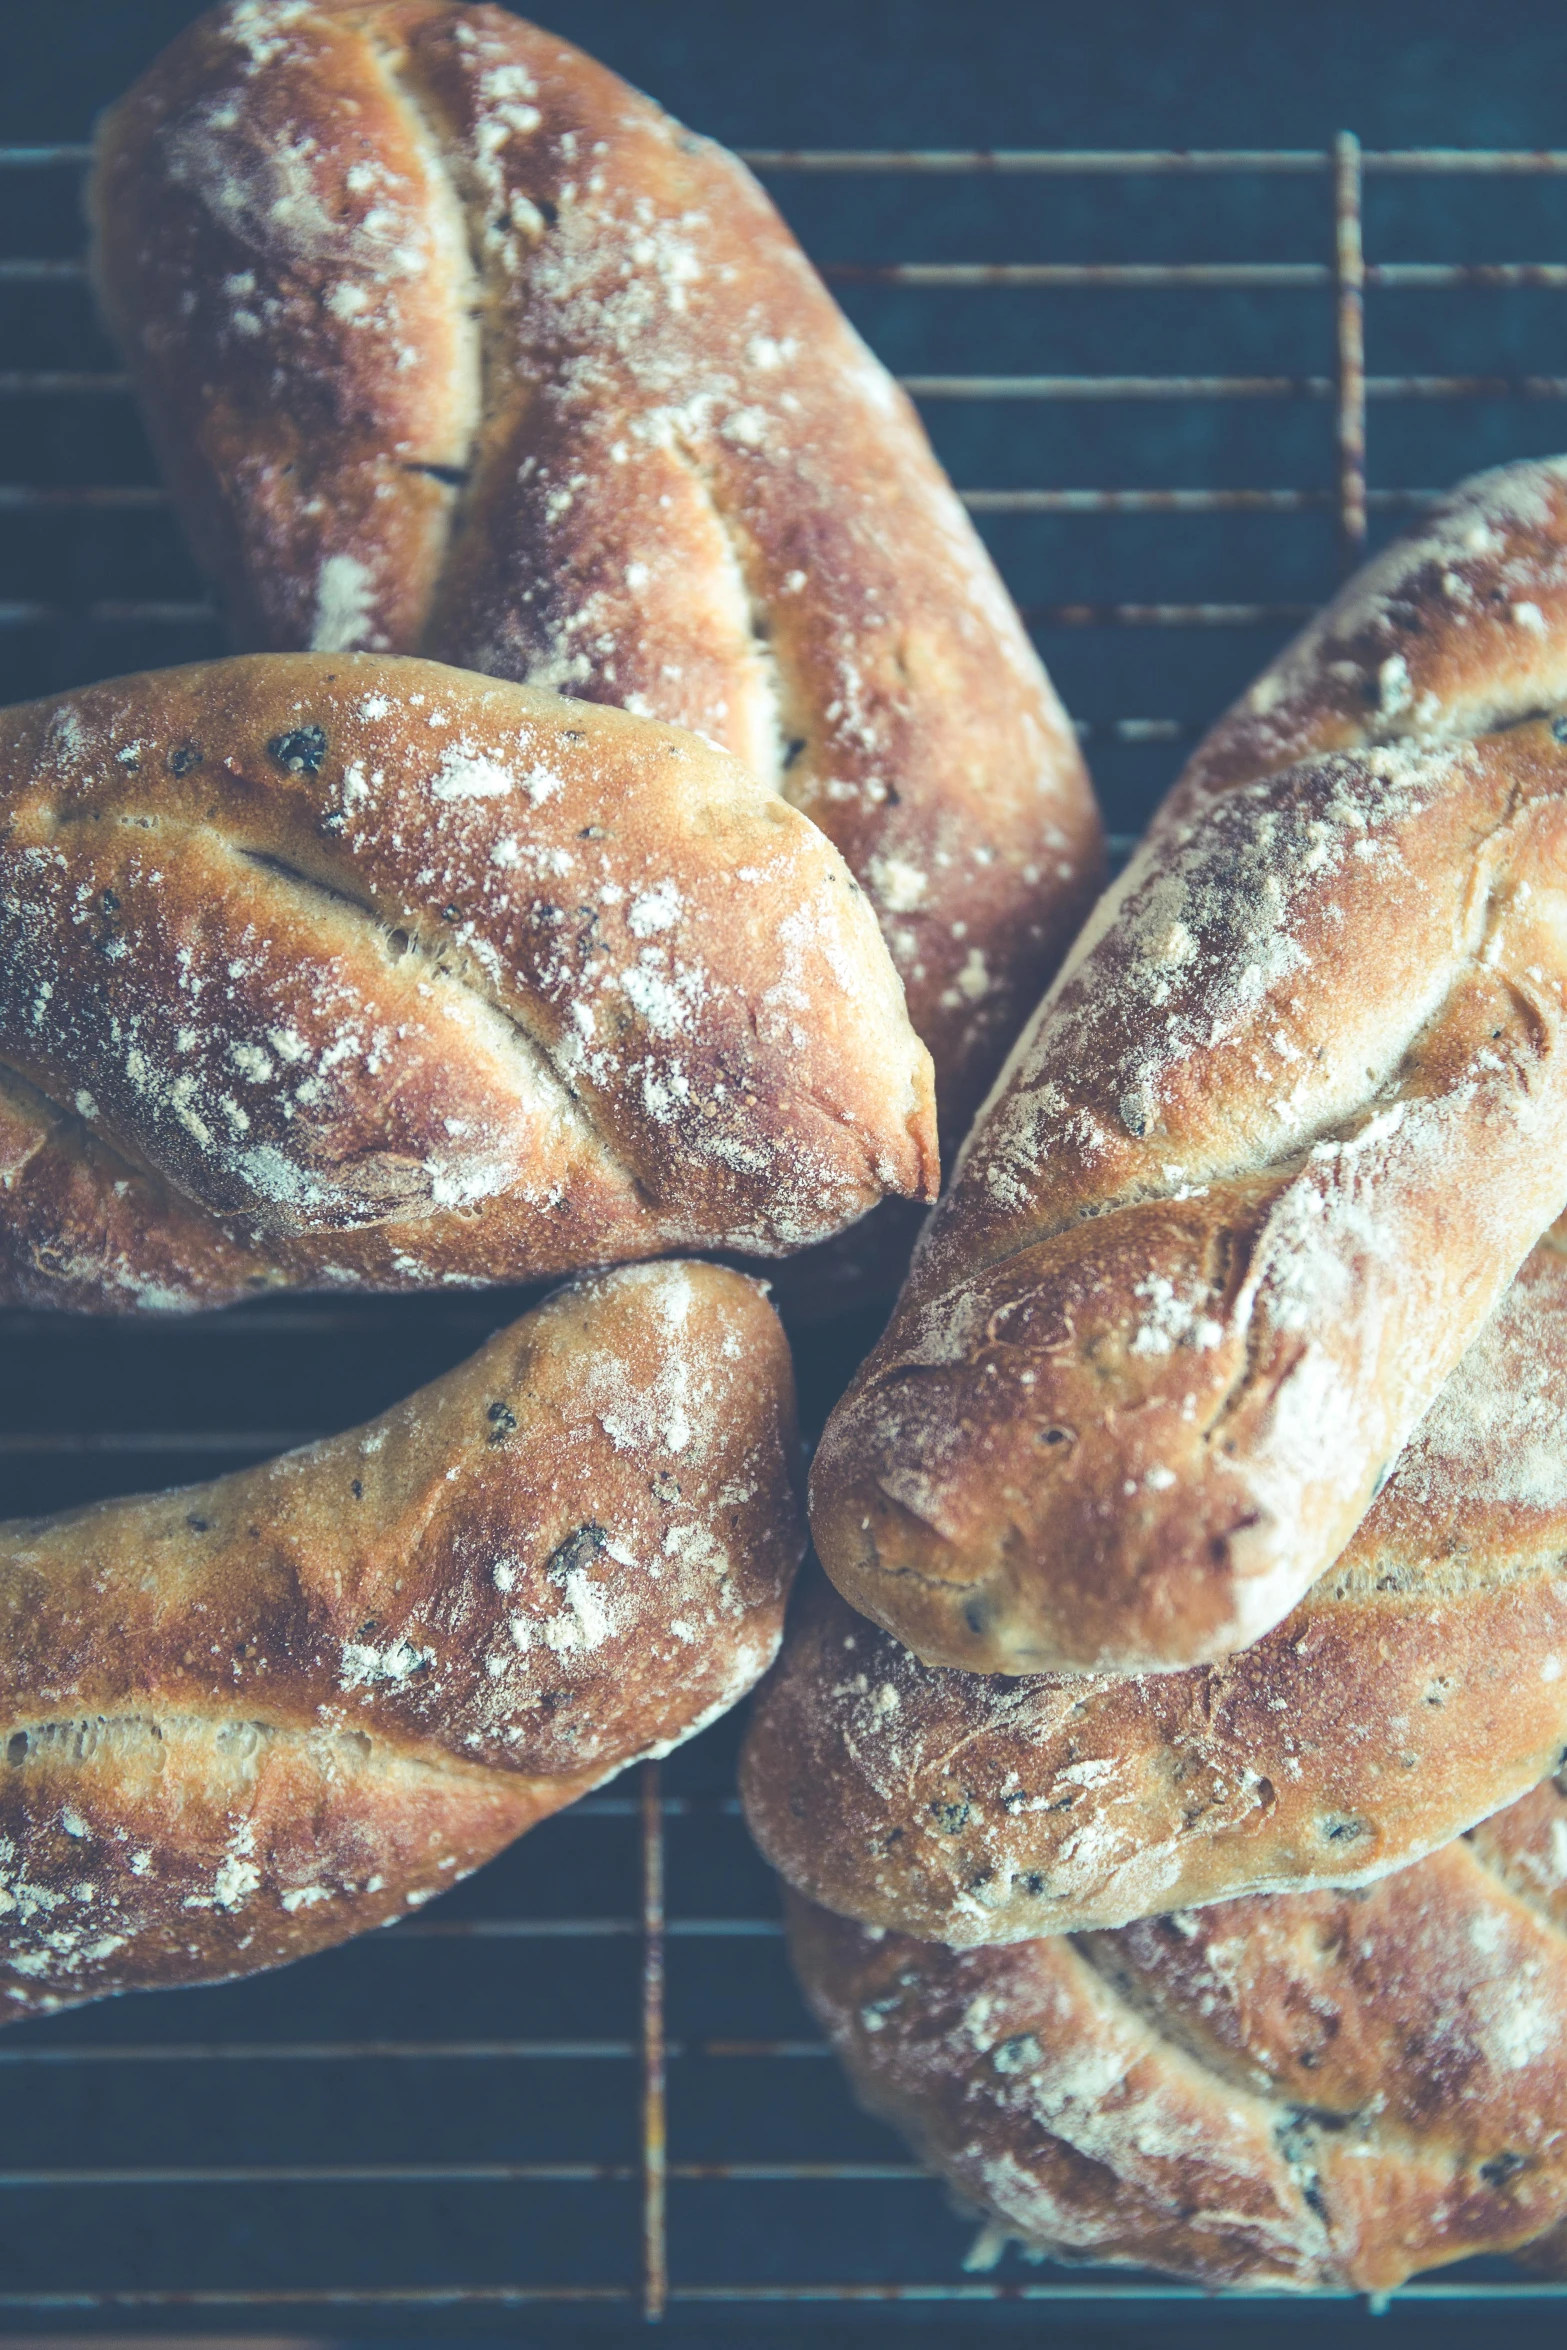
[1056, 2289]
[1224, 387]
[1049, 162]
[34, 269]
[1137, 275]
[1074, 2289]
[27, 383]
[568, 1929]
[319, 2297]
[655, 2132]
[1350, 317]
[22, 497]
[461, 2174]
[28, 269]
[201, 2052]
[1052, 162]
[1255, 501]
[1140, 276]
[1166, 615]
[1179, 161]
[117, 614]
[327, 2174]
[1049, 615]
[135, 497]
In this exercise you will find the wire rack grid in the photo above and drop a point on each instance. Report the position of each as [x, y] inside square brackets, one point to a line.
[581, 2087]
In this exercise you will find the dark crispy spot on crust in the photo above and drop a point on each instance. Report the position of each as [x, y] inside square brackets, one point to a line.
[196, 1525]
[1502, 2167]
[301, 751]
[503, 1422]
[579, 1549]
[184, 757]
[16, 1747]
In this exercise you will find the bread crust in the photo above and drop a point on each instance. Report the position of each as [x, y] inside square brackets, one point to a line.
[1306, 2090]
[324, 969]
[1421, 1683]
[450, 342]
[1417, 1686]
[1265, 1159]
[246, 1720]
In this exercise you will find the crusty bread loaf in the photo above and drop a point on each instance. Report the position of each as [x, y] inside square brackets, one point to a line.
[1253, 1179]
[1308, 2089]
[449, 342]
[246, 1720]
[1418, 1686]
[326, 969]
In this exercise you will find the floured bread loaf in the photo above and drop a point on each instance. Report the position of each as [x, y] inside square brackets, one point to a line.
[330, 969]
[1418, 1686]
[451, 343]
[241, 1722]
[1307, 2089]
[1265, 1159]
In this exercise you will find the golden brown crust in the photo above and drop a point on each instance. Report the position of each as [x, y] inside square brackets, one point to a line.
[1313, 2089]
[1457, 629]
[1262, 1164]
[329, 968]
[245, 1720]
[450, 342]
[1420, 1684]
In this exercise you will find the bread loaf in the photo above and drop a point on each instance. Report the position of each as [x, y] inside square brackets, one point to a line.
[1309, 2089]
[244, 1721]
[323, 969]
[449, 342]
[1418, 1686]
[1261, 1166]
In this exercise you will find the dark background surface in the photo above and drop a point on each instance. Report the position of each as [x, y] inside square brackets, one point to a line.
[1131, 73]
[822, 73]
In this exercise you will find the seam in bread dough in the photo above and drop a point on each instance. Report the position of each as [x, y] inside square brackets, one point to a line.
[473, 303]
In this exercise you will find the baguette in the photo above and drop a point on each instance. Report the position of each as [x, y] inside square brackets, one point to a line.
[1262, 1165]
[1304, 2090]
[1418, 1686]
[329, 969]
[449, 342]
[242, 1722]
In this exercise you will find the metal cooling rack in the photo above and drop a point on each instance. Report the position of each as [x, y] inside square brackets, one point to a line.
[582, 2085]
